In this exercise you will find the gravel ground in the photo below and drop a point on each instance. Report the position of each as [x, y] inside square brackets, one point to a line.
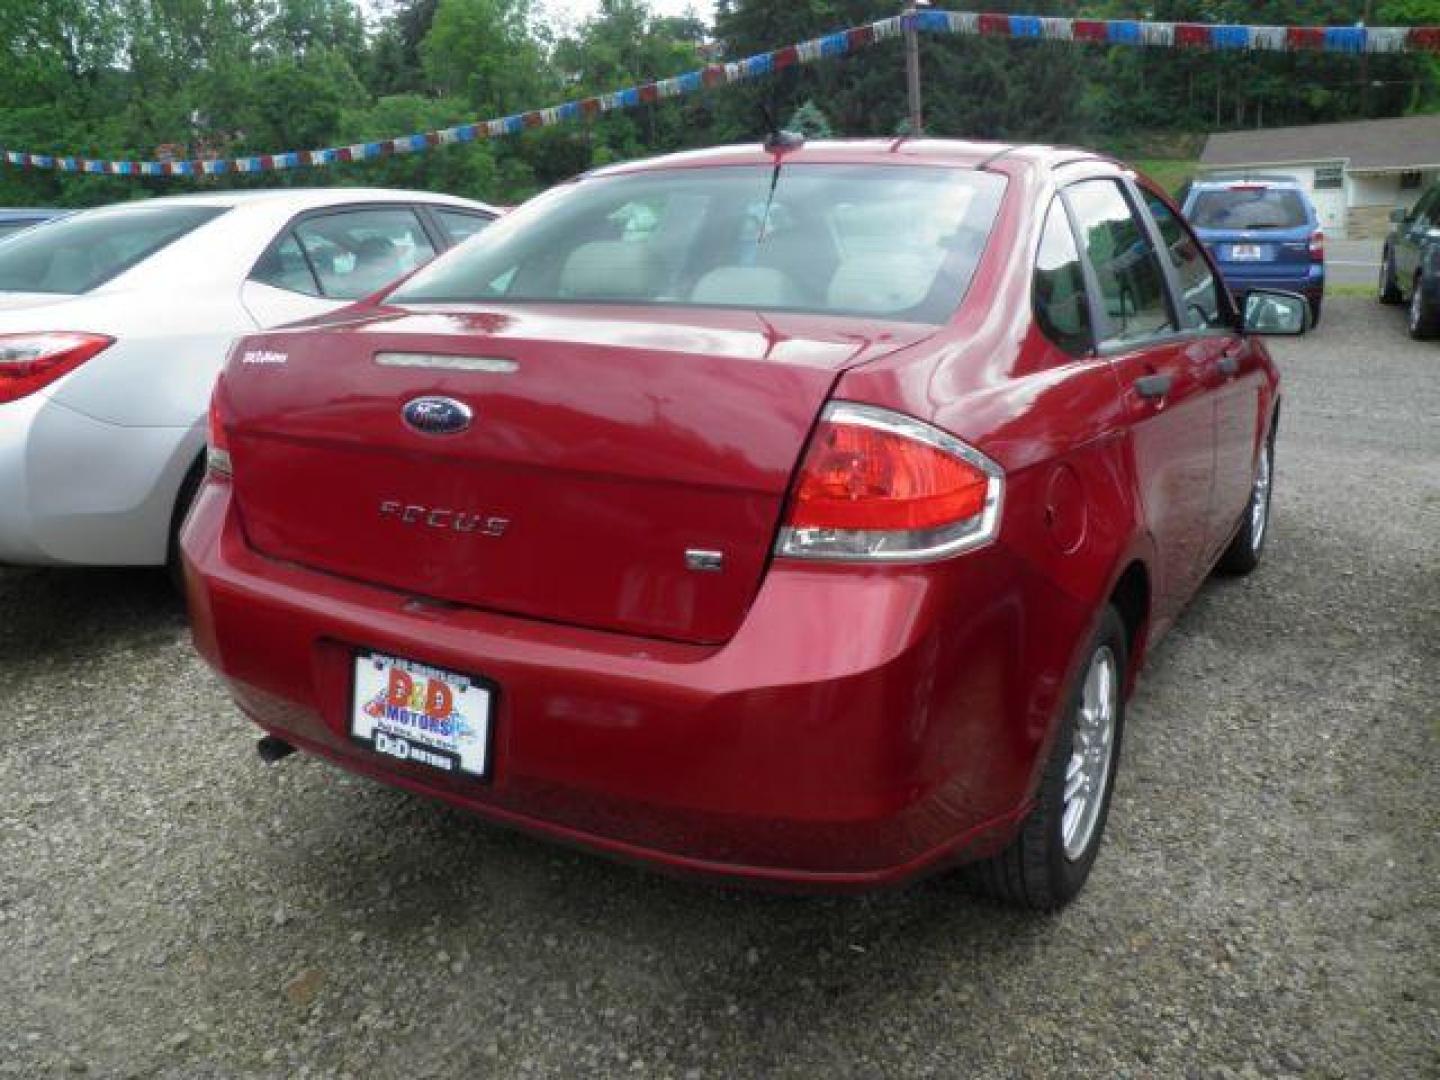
[1266, 902]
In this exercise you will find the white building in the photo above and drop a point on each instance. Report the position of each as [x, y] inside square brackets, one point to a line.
[1356, 172]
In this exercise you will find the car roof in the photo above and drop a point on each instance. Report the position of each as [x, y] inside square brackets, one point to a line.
[1228, 179]
[952, 152]
[298, 199]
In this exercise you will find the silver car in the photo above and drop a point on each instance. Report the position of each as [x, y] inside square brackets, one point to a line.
[113, 326]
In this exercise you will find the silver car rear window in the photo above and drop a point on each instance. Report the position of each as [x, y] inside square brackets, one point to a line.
[83, 252]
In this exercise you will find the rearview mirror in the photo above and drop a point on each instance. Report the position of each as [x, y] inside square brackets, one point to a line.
[1398, 215]
[1271, 311]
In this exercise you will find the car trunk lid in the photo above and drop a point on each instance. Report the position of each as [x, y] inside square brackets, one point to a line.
[603, 457]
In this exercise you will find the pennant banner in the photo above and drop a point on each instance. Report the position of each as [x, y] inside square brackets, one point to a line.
[1353, 40]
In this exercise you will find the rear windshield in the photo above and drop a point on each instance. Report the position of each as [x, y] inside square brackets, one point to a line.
[81, 253]
[895, 242]
[1249, 208]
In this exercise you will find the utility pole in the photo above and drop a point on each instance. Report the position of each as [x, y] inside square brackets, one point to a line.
[1365, 63]
[912, 67]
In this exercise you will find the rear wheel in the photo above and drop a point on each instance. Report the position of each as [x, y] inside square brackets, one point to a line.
[1315, 306]
[1424, 313]
[1050, 859]
[183, 500]
[1389, 292]
[1244, 552]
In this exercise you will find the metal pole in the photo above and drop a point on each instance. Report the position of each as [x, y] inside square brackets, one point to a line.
[1365, 65]
[912, 70]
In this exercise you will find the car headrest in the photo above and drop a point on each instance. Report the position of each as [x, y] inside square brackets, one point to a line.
[747, 286]
[608, 270]
[884, 284]
[374, 248]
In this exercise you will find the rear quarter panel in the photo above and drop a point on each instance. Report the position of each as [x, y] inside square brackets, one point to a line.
[1056, 425]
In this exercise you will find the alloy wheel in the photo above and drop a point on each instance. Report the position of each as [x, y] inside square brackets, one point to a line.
[1091, 754]
[1260, 500]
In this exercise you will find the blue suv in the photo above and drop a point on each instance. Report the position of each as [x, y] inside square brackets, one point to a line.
[1263, 232]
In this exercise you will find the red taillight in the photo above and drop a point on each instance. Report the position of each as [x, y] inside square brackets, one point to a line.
[30, 361]
[879, 485]
[1317, 246]
[217, 444]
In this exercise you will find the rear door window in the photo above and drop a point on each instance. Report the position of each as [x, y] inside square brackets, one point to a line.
[1249, 206]
[352, 253]
[1118, 248]
[284, 266]
[1199, 292]
[1061, 304]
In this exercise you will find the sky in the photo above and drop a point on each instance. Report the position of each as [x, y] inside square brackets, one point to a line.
[573, 12]
[576, 11]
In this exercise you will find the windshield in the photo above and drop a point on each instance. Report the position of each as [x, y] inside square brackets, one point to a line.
[898, 242]
[83, 252]
[1253, 207]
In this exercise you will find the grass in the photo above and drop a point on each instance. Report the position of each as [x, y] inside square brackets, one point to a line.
[1169, 173]
[1349, 290]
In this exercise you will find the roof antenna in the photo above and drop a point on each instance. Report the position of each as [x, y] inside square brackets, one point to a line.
[777, 140]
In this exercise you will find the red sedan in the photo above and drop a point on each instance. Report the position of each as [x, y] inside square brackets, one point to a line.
[796, 515]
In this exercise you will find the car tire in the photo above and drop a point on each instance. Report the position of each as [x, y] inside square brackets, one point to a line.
[1424, 314]
[1389, 291]
[183, 501]
[1315, 306]
[1048, 862]
[1245, 550]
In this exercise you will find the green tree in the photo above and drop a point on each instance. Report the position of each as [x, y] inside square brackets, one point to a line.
[810, 120]
[484, 51]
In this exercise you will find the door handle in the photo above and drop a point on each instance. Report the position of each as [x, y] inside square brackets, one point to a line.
[1228, 364]
[1153, 387]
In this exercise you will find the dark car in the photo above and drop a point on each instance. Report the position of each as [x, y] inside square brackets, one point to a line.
[17, 219]
[1263, 232]
[1410, 265]
[795, 517]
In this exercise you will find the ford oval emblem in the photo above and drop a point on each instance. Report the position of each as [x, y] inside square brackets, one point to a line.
[437, 415]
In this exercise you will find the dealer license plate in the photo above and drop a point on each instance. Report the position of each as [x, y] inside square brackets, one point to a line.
[422, 715]
[1246, 252]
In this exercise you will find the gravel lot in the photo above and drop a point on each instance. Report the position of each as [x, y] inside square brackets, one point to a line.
[1266, 904]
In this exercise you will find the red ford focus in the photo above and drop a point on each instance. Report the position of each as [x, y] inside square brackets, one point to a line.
[796, 515]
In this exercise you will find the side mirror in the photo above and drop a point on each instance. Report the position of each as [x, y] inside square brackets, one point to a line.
[1398, 215]
[1271, 311]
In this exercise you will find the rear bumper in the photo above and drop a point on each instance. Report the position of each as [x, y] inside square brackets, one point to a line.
[1310, 284]
[79, 491]
[862, 727]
